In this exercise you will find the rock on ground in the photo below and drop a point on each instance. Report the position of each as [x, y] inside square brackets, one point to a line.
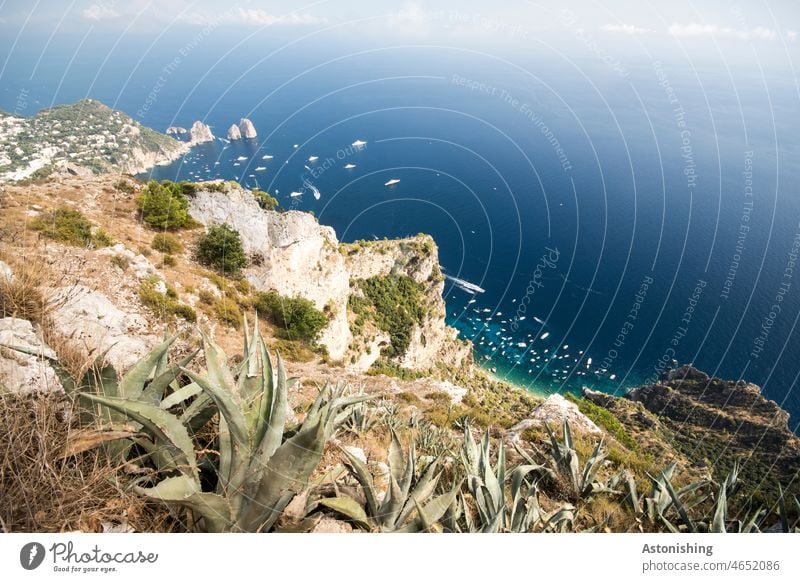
[554, 411]
[22, 373]
[99, 327]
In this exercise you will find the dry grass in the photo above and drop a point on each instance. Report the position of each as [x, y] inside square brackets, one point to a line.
[43, 492]
[21, 297]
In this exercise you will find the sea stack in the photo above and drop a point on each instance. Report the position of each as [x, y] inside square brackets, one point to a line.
[234, 133]
[246, 128]
[200, 133]
[173, 130]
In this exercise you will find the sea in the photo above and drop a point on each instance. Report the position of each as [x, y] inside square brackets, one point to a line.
[597, 225]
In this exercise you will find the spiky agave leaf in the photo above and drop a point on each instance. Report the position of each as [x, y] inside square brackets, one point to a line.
[164, 428]
[214, 509]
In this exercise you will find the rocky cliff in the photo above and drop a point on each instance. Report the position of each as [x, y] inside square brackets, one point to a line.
[296, 256]
[712, 423]
[200, 133]
[247, 129]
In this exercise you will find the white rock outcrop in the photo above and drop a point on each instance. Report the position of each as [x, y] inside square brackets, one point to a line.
[234, 133]
[24, 373]
[554, 411]
[200, 133]
[137, 263]
[300, 257]
[100, 327]
[247, 129]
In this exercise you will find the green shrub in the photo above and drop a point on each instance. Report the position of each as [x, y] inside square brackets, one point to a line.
[293, 350]
[206, 297]
[72, 227]
[295, 317]
[166, 243]
[101, 238]
[264, 200]
[388, 368]
[169, 261]
[228, 312]
[398, 303]
[221, 249]
[604, 418]
[164, 206]
[164, 303]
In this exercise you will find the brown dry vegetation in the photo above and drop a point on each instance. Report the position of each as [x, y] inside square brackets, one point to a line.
[42, 491]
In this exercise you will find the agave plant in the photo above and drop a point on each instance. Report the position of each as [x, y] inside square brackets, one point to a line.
[363, 417]
[147, 382]
[565, 461]
[408, 505]
[258, 472]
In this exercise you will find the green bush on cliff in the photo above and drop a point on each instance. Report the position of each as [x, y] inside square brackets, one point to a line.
[164, 303]
[221, 249]
[295, 317]
[164, 205]
[398, 303]
[264, 199]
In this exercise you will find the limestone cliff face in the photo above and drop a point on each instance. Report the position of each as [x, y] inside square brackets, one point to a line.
[200, 133]
[234, 133]
[296, 256]
[140, 160]
[417, 258]
[247, 129]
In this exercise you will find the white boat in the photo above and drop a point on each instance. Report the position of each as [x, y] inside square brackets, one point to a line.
[467, 286]
[545, 335]
[295, 194]
[313, 158]
[359, 144]
[260, 168]
[240, 158]
[392, 182]
[349, 166]
[295, 146]
[267, 157]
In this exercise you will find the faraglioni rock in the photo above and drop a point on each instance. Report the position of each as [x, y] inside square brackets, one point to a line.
[200, 133]
[173, 130]
[234, 133]
[247, 129]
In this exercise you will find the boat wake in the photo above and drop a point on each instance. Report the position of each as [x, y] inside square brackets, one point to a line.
[465, 285]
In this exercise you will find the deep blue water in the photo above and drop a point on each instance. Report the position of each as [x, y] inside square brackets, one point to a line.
[643, 219]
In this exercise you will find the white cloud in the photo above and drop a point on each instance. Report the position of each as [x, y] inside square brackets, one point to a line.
[762, 33]
[631, 29]
[791, 35]
[696, 30]
[259, 17]
[249, 17]
[100, 12]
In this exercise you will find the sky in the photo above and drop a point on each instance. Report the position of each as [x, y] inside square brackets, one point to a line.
[723, 21]
[40, 37]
